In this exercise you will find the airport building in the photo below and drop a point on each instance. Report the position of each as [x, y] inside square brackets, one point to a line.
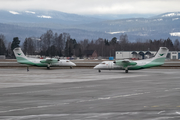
[136, 55]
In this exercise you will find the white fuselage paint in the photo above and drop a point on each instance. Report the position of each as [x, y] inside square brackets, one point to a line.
[59, 63]
[110, 65]
[126, 64]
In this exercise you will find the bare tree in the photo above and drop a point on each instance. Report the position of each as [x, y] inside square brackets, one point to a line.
[124, 42]
[9, 52]
[46, 42]
[2, 45]
[177, 45]
[29, 46]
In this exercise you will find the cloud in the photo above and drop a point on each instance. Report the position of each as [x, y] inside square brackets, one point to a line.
[95, 6]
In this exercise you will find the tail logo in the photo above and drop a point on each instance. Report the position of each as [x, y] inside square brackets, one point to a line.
[161, 54]
[19, 54]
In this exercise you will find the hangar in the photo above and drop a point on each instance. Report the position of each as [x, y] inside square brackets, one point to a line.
[174, 55]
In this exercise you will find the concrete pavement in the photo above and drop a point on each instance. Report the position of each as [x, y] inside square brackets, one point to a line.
[85, 94]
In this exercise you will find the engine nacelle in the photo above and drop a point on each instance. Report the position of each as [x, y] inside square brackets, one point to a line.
[125, 63]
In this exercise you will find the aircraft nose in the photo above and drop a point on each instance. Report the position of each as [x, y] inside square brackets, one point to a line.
[73, 64]
[96, 67]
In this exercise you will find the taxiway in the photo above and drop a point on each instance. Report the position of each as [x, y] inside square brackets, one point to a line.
[85, 94]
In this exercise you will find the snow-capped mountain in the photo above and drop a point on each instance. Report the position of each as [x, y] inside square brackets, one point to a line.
[33, 16]
[177, 14]
[35, 23]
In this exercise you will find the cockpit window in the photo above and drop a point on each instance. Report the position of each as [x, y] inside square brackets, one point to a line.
[67, 61]
[103, 63]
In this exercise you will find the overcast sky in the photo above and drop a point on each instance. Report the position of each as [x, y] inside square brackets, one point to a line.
[95, 6]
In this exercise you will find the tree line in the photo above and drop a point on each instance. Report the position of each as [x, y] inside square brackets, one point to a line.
[54, 44]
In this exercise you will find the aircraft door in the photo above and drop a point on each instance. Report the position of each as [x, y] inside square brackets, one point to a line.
[110, 65]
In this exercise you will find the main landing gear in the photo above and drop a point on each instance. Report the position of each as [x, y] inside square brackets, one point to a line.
[27, 68]
[126, 70]
[48, 67]
[99, 71]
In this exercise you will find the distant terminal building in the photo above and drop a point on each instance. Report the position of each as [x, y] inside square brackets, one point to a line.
[137, 55]
[173, 55]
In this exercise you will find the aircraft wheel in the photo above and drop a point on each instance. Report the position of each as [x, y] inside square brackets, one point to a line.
[99, 71]
[48, 66]
[71, 67]
[126, 71]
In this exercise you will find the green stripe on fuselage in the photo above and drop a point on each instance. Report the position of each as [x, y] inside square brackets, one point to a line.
[154, 63]
[26, 61]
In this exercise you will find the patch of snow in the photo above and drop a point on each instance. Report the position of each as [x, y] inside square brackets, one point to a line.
[129, 20]
[178, 113]
[141, 34]
[30, 12]
[175, 19]
[116, 32]
[175, 34]
[171, 14]
[13, 12]
[43, 16]
[157, 19]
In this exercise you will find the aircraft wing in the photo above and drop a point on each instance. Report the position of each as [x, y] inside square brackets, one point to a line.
[125, 63]
[49, 60]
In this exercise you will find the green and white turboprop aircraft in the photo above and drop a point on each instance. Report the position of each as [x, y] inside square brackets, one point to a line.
[127, 64]
[48, 62]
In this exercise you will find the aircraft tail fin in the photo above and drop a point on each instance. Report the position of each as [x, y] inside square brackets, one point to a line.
[162, 52]
[21, 58]
[161, 55]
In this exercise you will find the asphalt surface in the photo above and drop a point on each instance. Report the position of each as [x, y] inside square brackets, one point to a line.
[85, 94]
[84, 63]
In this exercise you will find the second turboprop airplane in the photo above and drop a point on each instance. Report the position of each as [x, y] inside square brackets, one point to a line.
[48, 62]
[127, 64]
